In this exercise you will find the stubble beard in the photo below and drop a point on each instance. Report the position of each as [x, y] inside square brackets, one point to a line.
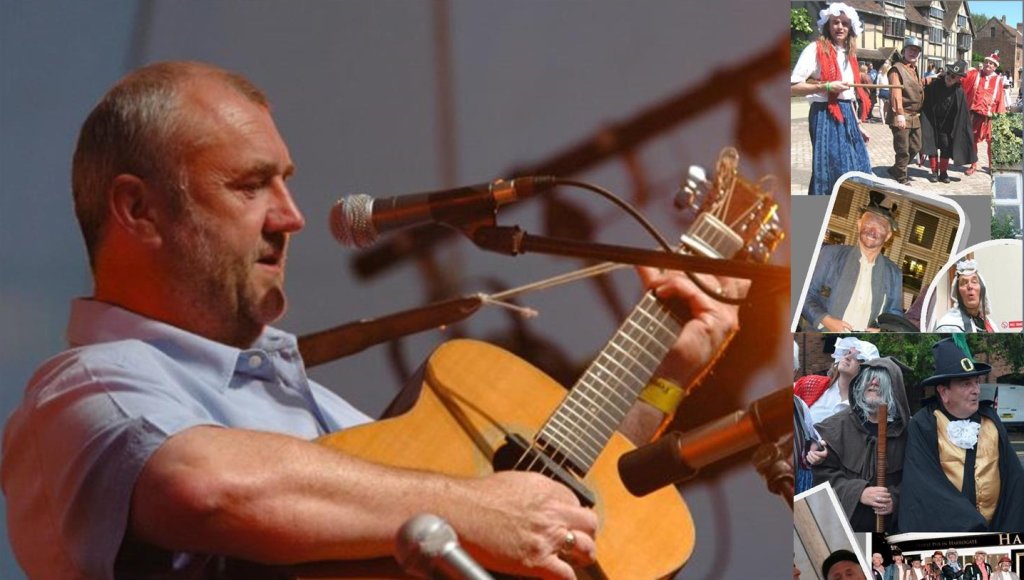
[219, 285]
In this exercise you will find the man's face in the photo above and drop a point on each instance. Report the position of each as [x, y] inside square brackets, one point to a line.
[227, 250]
[845, 570]
[951, 79]
[988, 67]
[873, 231]
[871, 393]
[969, 286]
[897, 558]
[1004, 566]
[911, 53]
[916, 564]
[960, 397]
[839, 26]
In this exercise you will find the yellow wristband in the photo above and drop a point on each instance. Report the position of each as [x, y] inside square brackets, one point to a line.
[663, 394]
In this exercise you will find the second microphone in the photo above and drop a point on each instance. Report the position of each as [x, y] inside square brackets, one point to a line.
[358, 220]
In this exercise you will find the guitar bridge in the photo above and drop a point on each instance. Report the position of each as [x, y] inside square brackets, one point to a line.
[710, 237]
[518, 454]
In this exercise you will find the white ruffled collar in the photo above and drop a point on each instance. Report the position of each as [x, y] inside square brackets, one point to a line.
[963, 433]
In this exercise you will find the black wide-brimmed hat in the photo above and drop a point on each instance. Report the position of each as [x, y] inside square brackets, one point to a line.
[875, 206]
[835, 557]
[953, 363]
[959, 68]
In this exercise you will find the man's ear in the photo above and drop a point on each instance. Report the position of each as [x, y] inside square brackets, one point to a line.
[135, 208]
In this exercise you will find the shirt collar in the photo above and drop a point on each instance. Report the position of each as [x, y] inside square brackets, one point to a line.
[95, 322]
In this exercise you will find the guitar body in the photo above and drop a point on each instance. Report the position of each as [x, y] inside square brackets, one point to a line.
[473, 394]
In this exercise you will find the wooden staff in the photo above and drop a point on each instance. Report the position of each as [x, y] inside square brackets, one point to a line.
[883, 418]
[871, 86]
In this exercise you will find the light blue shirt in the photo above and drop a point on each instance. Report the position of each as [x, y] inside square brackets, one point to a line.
[94, 414]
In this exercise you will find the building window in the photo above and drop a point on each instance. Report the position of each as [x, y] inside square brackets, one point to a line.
[922, 232]
[894, 27]
[936, 13]
[993, 32]
[961, 20]
[963, 42]
[834, 238]
[842, 205]
[896, 2]
[913, 272]
[935, 35]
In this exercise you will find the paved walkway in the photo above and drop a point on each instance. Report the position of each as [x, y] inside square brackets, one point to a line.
[880, 151]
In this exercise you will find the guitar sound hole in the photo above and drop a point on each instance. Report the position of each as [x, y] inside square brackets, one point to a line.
[517, 454]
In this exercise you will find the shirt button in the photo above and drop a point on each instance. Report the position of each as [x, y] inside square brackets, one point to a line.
[255, 361]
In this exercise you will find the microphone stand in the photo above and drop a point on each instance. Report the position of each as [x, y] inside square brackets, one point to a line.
[512, 241]
[775, 466]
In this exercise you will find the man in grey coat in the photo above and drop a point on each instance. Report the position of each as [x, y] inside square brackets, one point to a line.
[852, 285]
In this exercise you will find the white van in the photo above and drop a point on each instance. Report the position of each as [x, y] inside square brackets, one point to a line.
[1011, 402]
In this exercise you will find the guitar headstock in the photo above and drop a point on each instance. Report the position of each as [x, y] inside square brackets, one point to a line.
[729, 217]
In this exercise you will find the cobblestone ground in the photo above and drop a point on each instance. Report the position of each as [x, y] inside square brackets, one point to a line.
[880, 151]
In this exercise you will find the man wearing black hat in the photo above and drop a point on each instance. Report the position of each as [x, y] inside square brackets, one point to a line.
[842, 564]
[946, 123]
[852, 285]
[960, 473]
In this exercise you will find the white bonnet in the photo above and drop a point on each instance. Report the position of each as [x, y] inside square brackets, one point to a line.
[840, 9]
[865, 350]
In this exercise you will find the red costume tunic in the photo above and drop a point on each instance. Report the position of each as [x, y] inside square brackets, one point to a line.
[984, 98]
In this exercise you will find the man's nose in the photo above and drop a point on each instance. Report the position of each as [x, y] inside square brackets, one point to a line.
[284, 214]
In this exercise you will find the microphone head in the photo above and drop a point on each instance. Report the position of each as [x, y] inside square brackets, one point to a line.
[422, 540]
[351, 221]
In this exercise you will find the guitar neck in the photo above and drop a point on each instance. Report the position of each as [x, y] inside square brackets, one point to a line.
[580, 427]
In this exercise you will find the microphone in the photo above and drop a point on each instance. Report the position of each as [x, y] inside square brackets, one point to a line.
[358, 220]
[427, 543]
[678, 457]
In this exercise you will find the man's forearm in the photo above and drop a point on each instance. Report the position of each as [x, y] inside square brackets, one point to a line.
[275, 498]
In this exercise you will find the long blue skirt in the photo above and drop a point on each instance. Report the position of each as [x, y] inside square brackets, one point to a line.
[838, 147]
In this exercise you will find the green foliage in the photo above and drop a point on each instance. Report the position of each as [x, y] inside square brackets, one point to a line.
[1006, 140]
[978, 20]
[1009, 347]
[913, 350]
[796, 46]
[800, 29]
[1004, 228]
[800, 22]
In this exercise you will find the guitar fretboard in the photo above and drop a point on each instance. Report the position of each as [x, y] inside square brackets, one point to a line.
[581, 426]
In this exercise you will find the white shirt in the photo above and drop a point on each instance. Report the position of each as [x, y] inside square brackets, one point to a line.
[807, 68]
[829, 403]
[858, 311]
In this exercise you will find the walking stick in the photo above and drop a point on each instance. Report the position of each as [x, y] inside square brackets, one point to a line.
[883, 412]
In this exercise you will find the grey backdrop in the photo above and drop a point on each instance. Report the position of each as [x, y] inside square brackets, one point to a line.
[354, 88]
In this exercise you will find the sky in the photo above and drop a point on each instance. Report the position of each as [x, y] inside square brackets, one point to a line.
[1012, 10]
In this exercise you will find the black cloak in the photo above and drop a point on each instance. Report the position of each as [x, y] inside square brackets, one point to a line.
[932, 504]
[852, 448]
[962, 137]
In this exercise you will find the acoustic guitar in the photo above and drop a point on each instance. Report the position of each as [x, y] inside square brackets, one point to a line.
[481, 409]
